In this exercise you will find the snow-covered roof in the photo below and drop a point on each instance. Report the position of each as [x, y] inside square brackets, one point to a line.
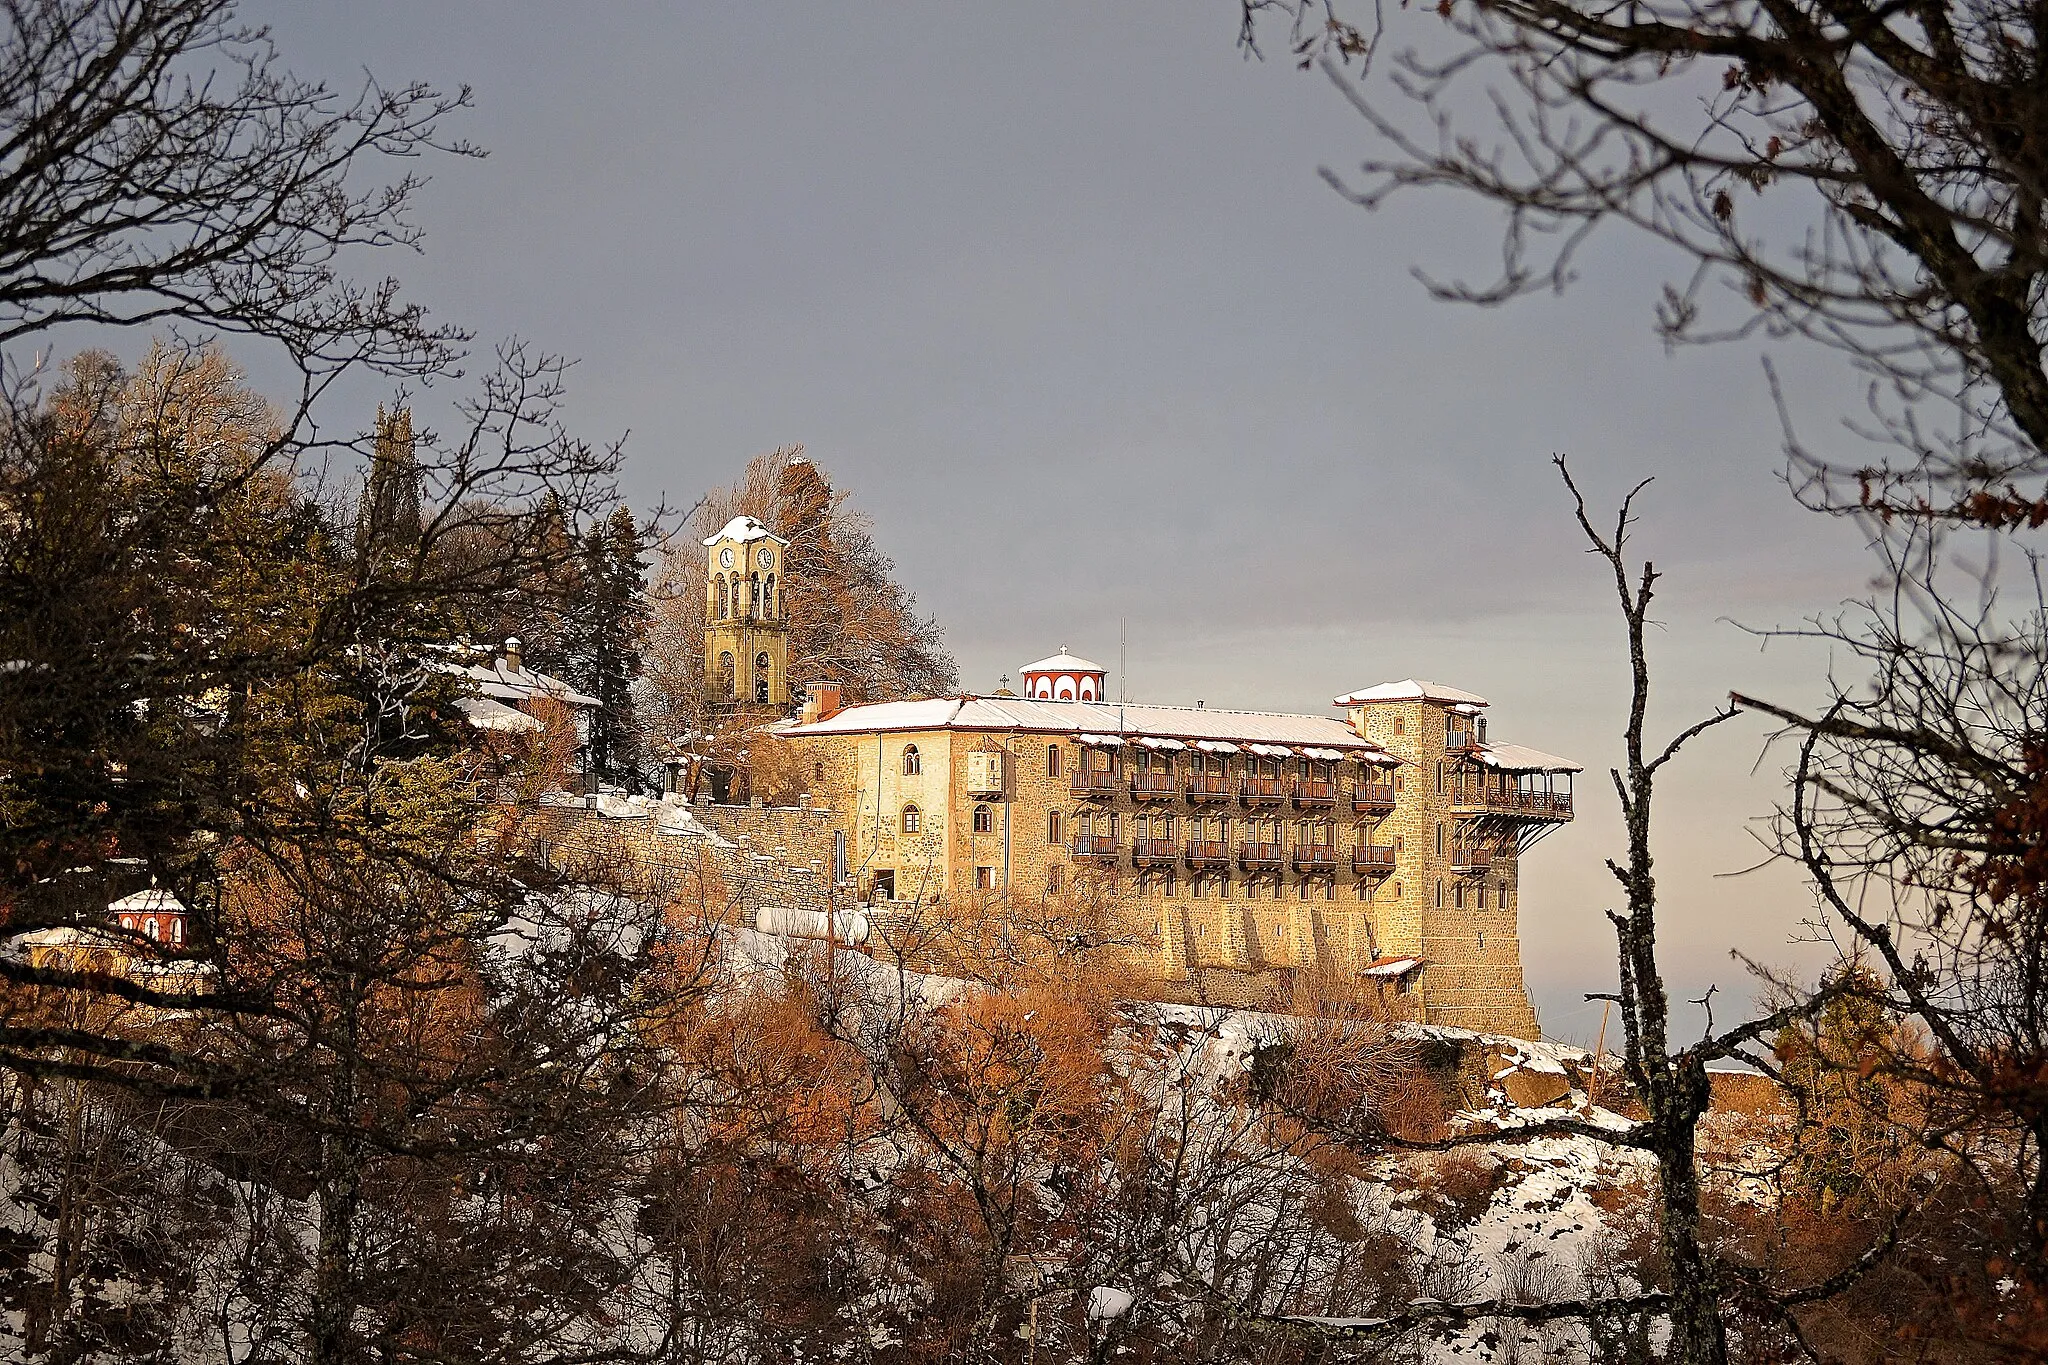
[499, 683]
[1390, 966]
[486, 714]
[155, 901]
[1097, 720]
[1520, 758]
[1410, 689]
[1063, 662]
[744, 529]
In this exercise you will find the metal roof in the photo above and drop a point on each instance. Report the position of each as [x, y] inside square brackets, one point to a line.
[1063, 662]
[1410, 689]
[1520, 758]
[1185, 723]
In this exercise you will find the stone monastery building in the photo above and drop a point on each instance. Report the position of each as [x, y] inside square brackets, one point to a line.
[1241, 846]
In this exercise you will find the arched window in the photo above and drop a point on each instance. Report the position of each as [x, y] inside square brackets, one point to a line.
[984, 820]
[1052, 760]
[149, 926]
[726, 676]
[721, 597]
[913, 763]
[913, 819]
[764, 669]
[1053, 827]
[177, 931]
[768, 598]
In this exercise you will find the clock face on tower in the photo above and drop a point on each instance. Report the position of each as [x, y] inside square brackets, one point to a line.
[725, 557]
[767, 559]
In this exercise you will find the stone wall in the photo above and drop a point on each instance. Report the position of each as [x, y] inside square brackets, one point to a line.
[731, 860]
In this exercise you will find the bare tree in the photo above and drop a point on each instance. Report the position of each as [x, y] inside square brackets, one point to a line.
[1873, 177]
[158, 166]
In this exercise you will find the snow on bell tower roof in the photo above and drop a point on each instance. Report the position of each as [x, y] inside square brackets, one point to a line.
[1063, 662]
[1064, 677]
[1410, 689]
[744, 529]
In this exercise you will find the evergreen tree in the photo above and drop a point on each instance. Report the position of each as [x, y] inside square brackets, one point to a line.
[609, 627]
[388, 518]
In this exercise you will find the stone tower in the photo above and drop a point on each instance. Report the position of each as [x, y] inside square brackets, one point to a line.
[746, 622]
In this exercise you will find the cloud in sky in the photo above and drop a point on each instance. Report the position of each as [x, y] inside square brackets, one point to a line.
[1056, 289]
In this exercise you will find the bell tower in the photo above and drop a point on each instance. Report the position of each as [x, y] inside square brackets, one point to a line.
[746, 622]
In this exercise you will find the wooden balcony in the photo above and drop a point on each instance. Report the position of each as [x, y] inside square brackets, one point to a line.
[1371, 796]
[1313, 793]
[1461, 741]
[1315, 857]
[1154, 852]
[1372, 858]
[1094, 784]
[1208, 853]
[1472, 798]
[1210, 787]
[1471, 859]
[1157, 786]
[1261, 855]
[1096, 846]
[1262, 791]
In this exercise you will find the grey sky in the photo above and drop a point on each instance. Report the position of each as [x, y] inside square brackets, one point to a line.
[1056, 290]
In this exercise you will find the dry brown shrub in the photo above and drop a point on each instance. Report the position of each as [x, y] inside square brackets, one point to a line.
[1456, 1187]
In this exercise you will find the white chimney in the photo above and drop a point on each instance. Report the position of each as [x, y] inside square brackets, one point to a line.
[514, 653]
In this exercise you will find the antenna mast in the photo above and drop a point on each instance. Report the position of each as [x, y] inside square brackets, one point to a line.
[1123, 674]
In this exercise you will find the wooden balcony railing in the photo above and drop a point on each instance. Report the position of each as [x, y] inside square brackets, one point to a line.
[1372, 858]
[1208, 853]
[1261, 855]
[1210, 787]
[1154, 852]
[1095, 846]
[1511, 801]
[1471, 859]
[1461, 740]
[1094, 782]
[1258, 791]
[1315, 857]
[1152, 786]
[1310, 792]
[1373, 796]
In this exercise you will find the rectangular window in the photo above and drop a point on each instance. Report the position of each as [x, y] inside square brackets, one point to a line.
[1054, 827]
[1052, 879]
[1052, 760]
[984, 878]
